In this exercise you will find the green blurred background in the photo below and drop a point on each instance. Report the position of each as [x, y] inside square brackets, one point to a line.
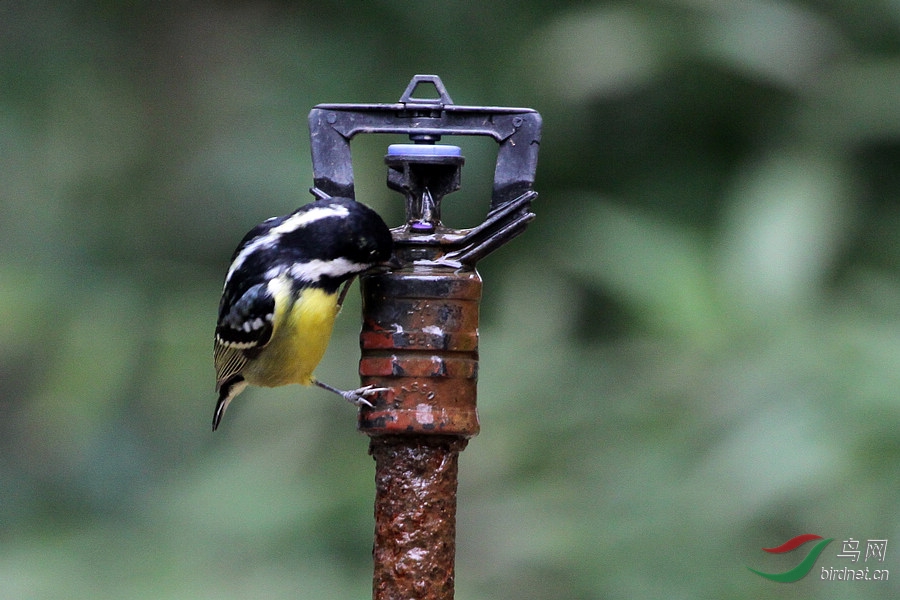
[692, 353]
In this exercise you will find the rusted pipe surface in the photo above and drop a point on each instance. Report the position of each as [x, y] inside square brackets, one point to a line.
[420, 339]
[415, 516]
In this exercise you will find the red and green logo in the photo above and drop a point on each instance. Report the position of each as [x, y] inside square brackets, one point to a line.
[805, 566]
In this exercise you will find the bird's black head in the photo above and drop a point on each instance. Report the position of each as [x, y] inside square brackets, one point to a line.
[323, 243]
[332, 240]
[361, 236]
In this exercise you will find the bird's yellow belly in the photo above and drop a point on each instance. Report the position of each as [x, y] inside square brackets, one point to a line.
[298, 341]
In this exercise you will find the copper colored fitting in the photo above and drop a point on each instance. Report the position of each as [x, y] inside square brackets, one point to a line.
[420, 339]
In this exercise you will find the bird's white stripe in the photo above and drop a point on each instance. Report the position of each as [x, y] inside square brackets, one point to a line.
[316, 269]
[310, 216]
[293, 223]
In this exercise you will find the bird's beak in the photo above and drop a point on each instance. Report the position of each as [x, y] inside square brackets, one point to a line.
[392, 263]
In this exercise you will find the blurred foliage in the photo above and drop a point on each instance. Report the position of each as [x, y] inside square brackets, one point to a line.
[692, 353]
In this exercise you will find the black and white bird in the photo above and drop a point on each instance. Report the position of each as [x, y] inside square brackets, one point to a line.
[283, 290]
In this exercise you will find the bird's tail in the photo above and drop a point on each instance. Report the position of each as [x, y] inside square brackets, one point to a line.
[227, 391]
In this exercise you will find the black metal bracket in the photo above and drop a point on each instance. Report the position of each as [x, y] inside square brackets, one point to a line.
[425, 121]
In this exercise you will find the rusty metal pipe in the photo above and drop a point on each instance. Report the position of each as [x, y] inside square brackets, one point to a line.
[415, 516]
[420, 339]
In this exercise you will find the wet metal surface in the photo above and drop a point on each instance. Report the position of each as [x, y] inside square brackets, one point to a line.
[420, 339]
[415, 516]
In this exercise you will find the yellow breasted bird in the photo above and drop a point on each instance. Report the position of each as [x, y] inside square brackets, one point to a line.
[283, 290]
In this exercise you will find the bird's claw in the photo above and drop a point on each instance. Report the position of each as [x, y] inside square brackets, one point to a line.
[359, 395]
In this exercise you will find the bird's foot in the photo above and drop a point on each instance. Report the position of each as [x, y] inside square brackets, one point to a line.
[359, 396]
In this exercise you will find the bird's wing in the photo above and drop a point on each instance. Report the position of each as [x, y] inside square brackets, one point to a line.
[244, 326]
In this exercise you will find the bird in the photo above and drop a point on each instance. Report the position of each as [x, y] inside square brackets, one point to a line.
[283, 290]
